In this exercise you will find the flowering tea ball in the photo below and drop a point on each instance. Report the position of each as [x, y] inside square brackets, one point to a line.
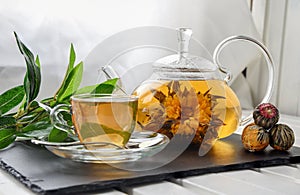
[254, 138]
[281, 137]
[266, 115]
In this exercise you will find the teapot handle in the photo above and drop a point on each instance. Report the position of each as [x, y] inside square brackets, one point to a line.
[228, 76]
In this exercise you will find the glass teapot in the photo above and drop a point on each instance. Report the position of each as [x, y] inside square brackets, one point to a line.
[189, 96]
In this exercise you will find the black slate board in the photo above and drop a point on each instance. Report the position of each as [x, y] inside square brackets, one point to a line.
[45, 173]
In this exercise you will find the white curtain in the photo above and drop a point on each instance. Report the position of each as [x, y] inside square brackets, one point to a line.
[48, 27]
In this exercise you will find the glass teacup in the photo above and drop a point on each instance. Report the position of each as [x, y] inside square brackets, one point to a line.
[105, 118]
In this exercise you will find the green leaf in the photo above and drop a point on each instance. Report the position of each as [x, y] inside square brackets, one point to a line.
[72, 83]
[107, 86]
[38, 130]
[7, 137]
[95, 129]
[37, 61]
[11, 98]
[44, 124]
[26, 84]
[57, 135]
[7, 121]
[37, 134]
[111, 82]
[72, 58]
[87, 89]
[32, 80]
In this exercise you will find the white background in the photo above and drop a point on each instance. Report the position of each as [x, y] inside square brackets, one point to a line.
[49, 27]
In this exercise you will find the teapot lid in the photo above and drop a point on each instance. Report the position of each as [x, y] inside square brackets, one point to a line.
[183, 65]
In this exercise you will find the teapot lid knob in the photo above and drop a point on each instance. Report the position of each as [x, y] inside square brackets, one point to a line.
[184, 36]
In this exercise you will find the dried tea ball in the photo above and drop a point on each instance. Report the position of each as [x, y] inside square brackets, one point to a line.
[265, 115]
[281, 137]
[255, 138]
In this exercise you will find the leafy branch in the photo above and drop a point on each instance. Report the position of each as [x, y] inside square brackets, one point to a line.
[31, 120]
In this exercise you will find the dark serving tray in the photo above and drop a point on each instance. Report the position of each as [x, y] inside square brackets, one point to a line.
[45, 173]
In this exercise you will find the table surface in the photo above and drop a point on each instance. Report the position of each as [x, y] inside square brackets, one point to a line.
[268, 180]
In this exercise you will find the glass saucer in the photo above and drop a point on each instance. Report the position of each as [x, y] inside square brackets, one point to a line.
[140, 145]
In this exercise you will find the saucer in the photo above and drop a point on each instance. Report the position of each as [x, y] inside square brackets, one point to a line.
[140, 145]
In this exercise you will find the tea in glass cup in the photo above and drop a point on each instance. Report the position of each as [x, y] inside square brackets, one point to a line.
[107, 118]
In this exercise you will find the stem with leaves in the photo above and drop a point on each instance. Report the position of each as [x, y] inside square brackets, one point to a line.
[31, 120]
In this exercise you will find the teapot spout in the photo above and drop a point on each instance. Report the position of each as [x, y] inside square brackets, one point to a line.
[110, 73]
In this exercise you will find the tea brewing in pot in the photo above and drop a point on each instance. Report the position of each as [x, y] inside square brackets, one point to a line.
[188, 96]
